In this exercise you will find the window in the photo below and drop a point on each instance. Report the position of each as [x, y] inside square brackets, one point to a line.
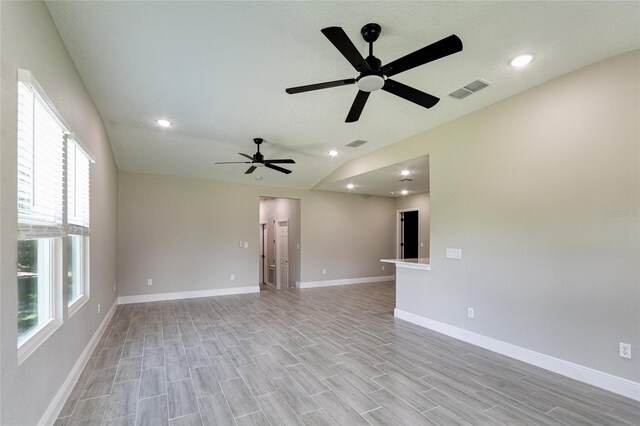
[78, 163]
[40, 206]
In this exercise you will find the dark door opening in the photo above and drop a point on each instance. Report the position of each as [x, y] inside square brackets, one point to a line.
[409, 235]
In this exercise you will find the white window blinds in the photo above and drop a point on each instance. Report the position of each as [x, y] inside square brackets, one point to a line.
[40, 165]
[78, 163]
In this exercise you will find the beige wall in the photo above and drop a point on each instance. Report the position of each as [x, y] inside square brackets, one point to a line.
[281, 209]
[30, 41]
[421, 202]
[184, 233]
[524, 188]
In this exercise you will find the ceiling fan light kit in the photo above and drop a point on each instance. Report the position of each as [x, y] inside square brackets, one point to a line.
[374, 76]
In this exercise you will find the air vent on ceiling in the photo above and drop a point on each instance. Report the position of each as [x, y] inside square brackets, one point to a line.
[406, 180]
[469, 89]
[356, 143]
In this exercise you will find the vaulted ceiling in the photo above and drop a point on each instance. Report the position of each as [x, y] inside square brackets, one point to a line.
[218, 70]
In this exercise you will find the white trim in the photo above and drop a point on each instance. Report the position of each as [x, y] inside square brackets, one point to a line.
[27, 78]
[33, 341]
[74, 137]
[603, 380]
[158, 297]
[345, 281]
[51, 413]
[76, 305]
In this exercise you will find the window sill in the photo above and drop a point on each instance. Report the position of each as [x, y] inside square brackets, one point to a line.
[33, 342]
[75, 306]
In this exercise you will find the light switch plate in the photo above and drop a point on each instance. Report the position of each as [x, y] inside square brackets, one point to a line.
[454, 253]
[246, 244]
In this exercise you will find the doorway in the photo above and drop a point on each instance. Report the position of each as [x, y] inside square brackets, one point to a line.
[263, 255]
[270, 251]
[280, 233]
[408, 234]
[282, 255]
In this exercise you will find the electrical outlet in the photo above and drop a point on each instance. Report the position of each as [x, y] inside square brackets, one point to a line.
[298, 246]
[383, 267]
[421, 244]
[625, 350]
[149, 281]
[470, 313]
[233, 277]
[98, 308]
[114, 288]
[324, 271]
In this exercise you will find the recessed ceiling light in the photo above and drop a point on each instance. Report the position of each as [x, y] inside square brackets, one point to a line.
[405, 172]
[404, 192]
[258, 178]
[521, 61]
[333, 153]
[163, 123]
[350, 186]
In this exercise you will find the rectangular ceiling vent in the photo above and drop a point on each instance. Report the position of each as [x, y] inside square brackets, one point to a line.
[356, 143]
[469, 89]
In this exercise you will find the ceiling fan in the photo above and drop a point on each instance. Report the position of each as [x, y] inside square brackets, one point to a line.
[257, 160]
[374, 76]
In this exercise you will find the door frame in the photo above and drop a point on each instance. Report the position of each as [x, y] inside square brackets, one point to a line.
[277, 254]
[263, 254]
[399, 228]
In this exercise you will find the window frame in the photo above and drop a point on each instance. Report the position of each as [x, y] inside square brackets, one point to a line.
[36, 337]
[85, 276]
[75, 229]
[56, 268]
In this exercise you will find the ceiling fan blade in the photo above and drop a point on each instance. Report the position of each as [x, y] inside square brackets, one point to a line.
[437, 50]
[250, 170]
[357, 107]
[277, 168]
[409, 93]
[328, 84]
[233, 162]
[246, 155]
[282, 161]
[341, 41]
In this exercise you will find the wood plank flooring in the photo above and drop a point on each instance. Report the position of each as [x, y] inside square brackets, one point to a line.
[324, 356]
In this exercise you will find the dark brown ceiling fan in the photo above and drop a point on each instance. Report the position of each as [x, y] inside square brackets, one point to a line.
[257, 160]
[374, 76]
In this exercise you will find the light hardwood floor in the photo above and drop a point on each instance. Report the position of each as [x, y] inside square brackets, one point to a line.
[322, 356]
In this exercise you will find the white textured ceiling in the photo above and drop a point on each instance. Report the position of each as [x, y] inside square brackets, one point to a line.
[218, 71]
[387, 181]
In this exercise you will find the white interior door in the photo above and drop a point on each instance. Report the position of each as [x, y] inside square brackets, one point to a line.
[283, 253]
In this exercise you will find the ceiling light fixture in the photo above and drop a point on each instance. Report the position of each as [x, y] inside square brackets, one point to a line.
[350, 186]
[333, 153]
[258, 178]
[404, 192]
[521, 61]
[163, 123]
[405, 172]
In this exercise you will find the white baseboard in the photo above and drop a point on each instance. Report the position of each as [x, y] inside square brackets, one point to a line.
[51, 413]
[157, 297]
[606, 381]
[345, 281]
